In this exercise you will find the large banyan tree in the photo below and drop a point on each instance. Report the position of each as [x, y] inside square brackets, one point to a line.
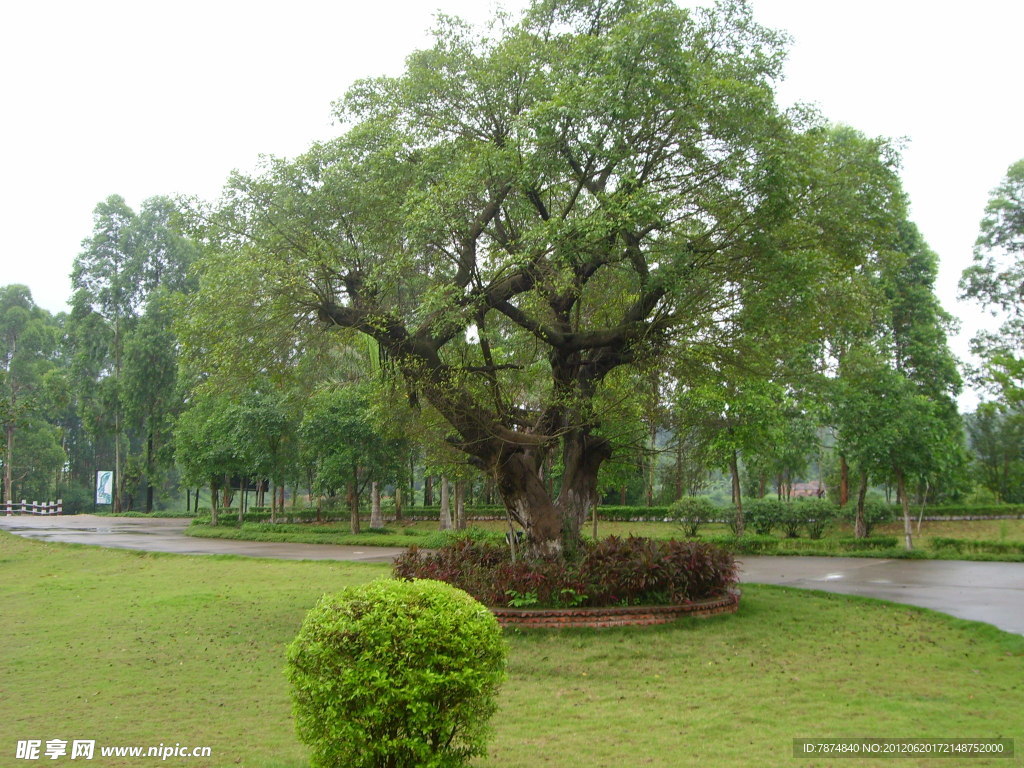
[605, 183]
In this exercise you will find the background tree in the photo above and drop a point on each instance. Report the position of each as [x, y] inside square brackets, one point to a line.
[896, 389]
[204, 445]
[264, 433]
[28, 340]
[120, 334]
[106, 280]
[996, 281]
[149, 393]
[343, 447]
[738, 417]
[996, 438]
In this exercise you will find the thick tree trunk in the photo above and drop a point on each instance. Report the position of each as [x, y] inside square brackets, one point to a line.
[398, 503]
[445, 518]
[376, 521]
[528, 502]
[860, 529]
[428, 491]
[908, 528]
[552, 526]
[582, 456]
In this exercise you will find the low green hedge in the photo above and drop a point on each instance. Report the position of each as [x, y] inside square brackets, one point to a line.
[959, 510]
[304, 535]
[975, 546]
[755, 544]
[262, 515]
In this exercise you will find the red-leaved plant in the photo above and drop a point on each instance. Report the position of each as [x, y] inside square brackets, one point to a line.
[614, 571]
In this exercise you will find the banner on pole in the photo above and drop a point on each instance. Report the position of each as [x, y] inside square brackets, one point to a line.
[104, 487]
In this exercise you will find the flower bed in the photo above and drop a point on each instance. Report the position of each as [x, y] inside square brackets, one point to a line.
[610, 573]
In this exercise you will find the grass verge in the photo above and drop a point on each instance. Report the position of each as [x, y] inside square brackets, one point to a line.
[981, 540]
[140, 649]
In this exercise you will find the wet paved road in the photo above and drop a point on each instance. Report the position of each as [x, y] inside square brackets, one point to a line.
[989, 592]
[167, 535]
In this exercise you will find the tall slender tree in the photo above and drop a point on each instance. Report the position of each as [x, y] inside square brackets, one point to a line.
[897, 386]
[28, 337]
[120, 332]
[106, 279]
[996, 281]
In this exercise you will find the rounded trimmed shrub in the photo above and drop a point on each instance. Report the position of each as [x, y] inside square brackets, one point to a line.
[764, 514]
[818, 515]
[691, 512]
[397, 674]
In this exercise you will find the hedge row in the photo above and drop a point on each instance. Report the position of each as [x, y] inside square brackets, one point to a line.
[657, 513]
[754, 544]
[972, 546]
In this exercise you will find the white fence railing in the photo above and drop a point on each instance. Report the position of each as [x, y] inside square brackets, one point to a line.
[35, 508]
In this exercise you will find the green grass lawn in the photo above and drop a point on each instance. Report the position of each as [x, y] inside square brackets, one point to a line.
[139, 649]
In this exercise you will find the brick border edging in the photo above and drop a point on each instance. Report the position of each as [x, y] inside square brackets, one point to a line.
[637, 615]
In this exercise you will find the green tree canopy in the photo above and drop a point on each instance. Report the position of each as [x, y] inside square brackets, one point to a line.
[124, 356]
[996, 281]
[896, 387]
[28, 340]
[343, 447]
[996, 438]
[521, 213]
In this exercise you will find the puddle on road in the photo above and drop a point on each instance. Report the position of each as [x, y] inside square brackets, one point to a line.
[31, 532]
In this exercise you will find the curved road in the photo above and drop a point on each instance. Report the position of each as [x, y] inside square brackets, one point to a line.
[989, 592]
[167, 535]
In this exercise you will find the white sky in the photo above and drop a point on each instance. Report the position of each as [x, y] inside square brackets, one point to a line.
[137, 98]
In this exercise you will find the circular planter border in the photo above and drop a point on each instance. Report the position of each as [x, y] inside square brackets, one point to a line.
[636, 615]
